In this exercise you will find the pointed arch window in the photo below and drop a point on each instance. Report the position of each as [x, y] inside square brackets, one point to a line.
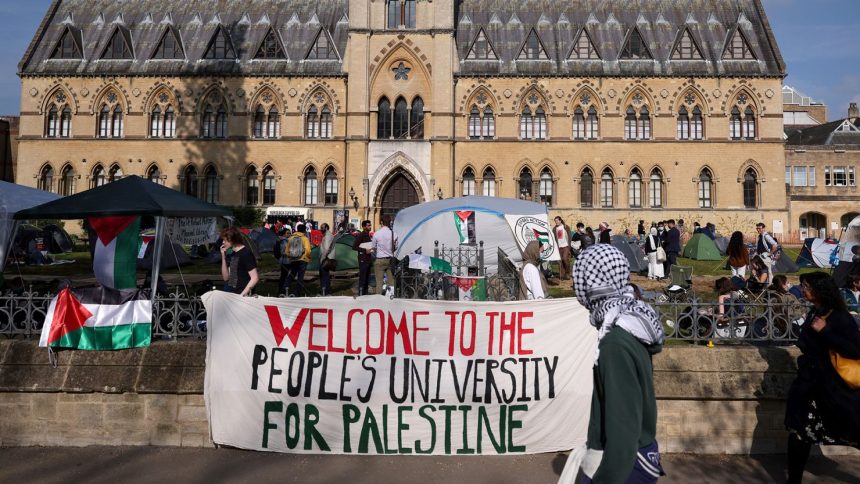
[468, 182]
[273, 123]
[259, 122]
[214, 121]
[210, 184]
[697, 126]
[749, 123]
[525, 184]
[311, 186]
[67, 181]
[683, 123]
[488, 124]
[270, 48]
[578, 124]
[584, 48]
[220, 46]
[474, 123]
[705, 189]
[115, 173]
[545, 188]
[735, 123]
[416, 119]
[635, 47]
[586, 189]
[630, 123]
[169, 47]
[401, 119]
[325, 122]
[687, 48]
[46, 178]
[154, 175]
[190, 183]
[155, 122]
[401, 14]
[65, 122]
[655, 189]
[637, 123]
[52, 123]
[69, 46]
[532, 48]
[252, 186]
[644, 123]
[481, 48]
[312, 122]
[738, 48]
[634, 189]
[116, 123]
[742, 124]
[119, 46]
[526, 124]
[383, 119]
[98, 178]
[269, 186]
[488, 182]
[607, 189]
[750, 189]
[592, 130]
[330, 183]
[322, 49]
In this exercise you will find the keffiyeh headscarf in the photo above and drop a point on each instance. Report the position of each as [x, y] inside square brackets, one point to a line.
[601, 277]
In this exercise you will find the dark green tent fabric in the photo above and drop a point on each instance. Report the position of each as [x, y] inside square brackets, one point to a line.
[131, 195]
[347, 259]
[701, 247]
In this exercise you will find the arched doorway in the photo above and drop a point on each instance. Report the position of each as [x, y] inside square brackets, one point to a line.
[847, 218]
[398, 194]
[813, 224]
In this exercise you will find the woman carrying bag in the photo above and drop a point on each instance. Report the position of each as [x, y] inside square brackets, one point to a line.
[823, 404]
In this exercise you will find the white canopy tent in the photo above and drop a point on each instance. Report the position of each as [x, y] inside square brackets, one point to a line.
[497, 222]
[14, 198]
[850, 238]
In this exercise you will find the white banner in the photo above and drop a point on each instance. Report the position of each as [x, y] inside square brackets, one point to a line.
[527, 228]
[193, 230]
[389, 376]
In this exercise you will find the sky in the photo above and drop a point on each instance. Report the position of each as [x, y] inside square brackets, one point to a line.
[816, 37]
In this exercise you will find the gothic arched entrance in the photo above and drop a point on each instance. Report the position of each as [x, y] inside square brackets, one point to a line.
[398, 194]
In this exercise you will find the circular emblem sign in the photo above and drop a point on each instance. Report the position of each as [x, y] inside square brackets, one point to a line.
[531, 228]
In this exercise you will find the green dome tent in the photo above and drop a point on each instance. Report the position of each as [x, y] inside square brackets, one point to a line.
[701, 247]
[347, 259]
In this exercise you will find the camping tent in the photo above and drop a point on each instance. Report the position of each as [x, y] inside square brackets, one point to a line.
[264, 239]
[784, 265]
[817, 253]
[14, 198]
[58, 239]
[722, 244]
[128, 196]
[347, 259]
[632, 251]
[701, 247]
[850, 237]
[172, 255]
[420, 226]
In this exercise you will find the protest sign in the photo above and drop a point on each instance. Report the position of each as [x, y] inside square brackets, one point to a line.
[376, 376]
[193, 230]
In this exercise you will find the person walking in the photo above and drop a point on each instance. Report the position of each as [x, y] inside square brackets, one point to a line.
[672, 246]
[299, 255]
[655, 265]
[238, 264]
[327, 261]
[822, 408]
[365, 258]
[562, 236]
[532, 281]
[621, 444]
[739, 255]
[767, 249]
[605, 235]
[384, 248]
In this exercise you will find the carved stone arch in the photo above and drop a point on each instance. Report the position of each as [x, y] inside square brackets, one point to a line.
[152, 94]
[418, 80]
[657, 166]
[642, 173]
[547, 163]
[471, 98]
[613, 170]
[468, 165]
[753, 97]
[150, 166]
[626, 97]
[218, 87]
[259, 92]
[586, 166]
[575, 100]
[399, 162]
[484, 169]
[307, 97]
[382, 60]
[523, 98]
[679, 99]
[330, 164]
[50, 97]
[750, 163]
[309, 163]
[708, 167]
[522, 164]
[104, 91]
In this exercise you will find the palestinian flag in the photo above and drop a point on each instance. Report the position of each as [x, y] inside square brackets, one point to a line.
[425, 263]
[541, 236]
[117, 244]
[465, 223]
[471, 288]
[98, 318]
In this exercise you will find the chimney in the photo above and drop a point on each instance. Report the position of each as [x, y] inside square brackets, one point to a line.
[853, 112]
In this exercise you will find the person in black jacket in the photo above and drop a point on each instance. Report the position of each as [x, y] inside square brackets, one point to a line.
[821, 408]
[672, 246]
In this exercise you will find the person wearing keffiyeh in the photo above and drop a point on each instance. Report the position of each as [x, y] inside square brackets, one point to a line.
[621, 445]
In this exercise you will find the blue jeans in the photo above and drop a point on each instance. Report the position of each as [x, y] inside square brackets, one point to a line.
[297, 273]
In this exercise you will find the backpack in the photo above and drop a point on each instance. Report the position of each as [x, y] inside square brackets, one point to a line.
[295, 247]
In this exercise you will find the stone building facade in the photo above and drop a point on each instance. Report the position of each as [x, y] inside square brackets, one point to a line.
[599, 110]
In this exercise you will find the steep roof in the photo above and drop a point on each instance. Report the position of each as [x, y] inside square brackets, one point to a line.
[609, 23]
[844, 132]
[297, 22]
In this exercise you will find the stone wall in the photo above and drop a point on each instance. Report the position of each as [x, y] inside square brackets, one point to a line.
[727, 400]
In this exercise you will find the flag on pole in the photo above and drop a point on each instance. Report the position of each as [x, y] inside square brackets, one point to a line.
[465, 222]
[471, 288]
[98, 318]
[542, 236]
[426, 263]
[115, 257]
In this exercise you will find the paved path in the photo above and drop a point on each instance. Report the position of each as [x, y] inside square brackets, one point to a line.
[163, 464]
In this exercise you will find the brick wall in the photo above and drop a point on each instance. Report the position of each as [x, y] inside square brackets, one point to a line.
[726, 400]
